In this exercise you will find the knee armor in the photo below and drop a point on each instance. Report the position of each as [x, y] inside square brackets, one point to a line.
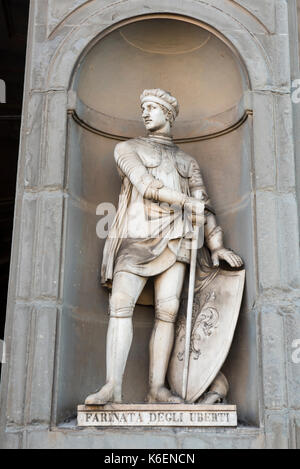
[167, 309]
[121, 305]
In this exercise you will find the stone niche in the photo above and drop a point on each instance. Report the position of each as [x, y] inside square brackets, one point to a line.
[209, 80]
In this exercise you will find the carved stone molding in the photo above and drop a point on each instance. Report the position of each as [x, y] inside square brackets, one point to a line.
[199, 138]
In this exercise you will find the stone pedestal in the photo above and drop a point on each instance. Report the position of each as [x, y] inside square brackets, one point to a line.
[157, 415]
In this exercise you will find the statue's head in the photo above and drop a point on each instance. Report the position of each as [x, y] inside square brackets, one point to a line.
[159, 109]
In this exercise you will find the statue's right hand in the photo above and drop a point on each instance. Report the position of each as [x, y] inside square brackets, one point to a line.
[195, 206]
[194, 210]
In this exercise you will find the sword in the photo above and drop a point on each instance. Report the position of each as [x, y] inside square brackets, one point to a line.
[189, 315]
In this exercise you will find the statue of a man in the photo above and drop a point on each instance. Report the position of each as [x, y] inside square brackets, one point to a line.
[156, 176]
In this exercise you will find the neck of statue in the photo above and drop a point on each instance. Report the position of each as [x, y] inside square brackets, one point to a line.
[164, 131]
[161, 138]
[163, 134]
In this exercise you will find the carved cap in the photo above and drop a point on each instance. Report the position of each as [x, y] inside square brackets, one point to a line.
[163, 98]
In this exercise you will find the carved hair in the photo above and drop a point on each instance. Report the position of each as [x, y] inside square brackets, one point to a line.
[168, 103]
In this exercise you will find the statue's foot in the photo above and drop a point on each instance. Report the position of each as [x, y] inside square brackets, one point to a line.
[211, 398]
[102, 397]
[163, 395]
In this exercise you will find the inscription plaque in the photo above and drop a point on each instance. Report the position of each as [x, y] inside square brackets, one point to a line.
[150, 415]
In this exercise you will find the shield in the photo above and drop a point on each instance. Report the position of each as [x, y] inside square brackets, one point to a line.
[215, 313]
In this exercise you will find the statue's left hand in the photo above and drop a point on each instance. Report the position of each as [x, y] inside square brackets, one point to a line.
[226, 255]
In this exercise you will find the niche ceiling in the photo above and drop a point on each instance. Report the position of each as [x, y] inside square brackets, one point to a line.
[183, 58]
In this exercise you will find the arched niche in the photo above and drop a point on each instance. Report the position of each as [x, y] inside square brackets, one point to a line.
[210, 82]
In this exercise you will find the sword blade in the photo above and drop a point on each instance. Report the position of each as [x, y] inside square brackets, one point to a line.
[189, 315]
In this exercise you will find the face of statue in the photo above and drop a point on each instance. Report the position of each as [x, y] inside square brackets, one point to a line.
[154, 117]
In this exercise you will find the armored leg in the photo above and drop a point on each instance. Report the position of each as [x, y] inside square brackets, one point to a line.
[168, 288]
[125, 293]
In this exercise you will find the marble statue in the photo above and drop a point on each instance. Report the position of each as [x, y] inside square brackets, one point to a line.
[163, 201]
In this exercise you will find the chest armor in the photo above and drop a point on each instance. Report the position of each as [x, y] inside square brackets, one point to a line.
[152, 155]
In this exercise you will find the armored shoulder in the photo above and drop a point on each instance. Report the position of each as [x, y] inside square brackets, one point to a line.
[123, 148]
[147, 153]
[186, 164]
[185, 156]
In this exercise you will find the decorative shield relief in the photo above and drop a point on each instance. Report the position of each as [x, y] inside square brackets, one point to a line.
[215, 313]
